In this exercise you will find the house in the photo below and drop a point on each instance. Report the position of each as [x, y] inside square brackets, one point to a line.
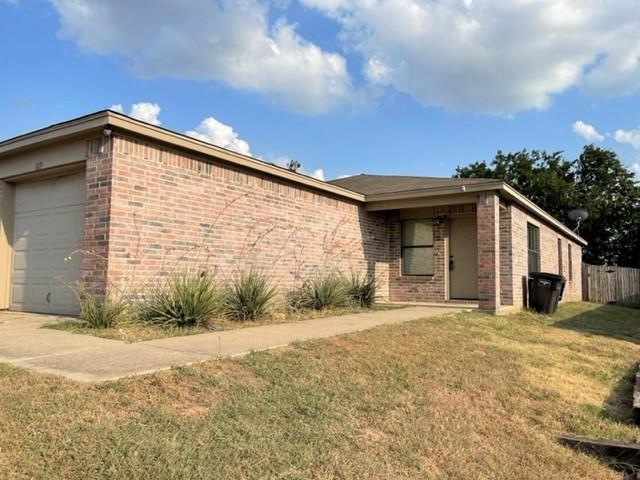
[107, 201]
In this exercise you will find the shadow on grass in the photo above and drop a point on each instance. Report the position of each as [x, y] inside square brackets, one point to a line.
[618, 405]
[611, 321]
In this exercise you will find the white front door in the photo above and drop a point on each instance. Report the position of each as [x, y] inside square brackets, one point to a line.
[49, 220]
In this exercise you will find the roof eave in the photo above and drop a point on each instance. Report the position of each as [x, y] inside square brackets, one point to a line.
[503, 188]
[519, 198]
[55, 133]
[99, 120]
[434, 192]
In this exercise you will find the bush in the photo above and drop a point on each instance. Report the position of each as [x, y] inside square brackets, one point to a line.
[107, 312]
[187, 300]
[249, 296]
[319, 293]
[362, 290]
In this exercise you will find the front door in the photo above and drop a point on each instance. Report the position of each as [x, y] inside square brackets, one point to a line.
[463, 258]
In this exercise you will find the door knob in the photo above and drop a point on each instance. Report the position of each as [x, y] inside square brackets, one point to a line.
[49, 297]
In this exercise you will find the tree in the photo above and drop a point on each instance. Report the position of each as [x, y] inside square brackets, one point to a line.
[596, 181]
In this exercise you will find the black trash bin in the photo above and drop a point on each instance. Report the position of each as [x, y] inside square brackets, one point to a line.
[545, 291]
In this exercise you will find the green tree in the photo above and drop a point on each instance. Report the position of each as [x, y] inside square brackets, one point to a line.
[596, 181]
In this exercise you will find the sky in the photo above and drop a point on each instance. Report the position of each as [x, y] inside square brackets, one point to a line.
[406, 87]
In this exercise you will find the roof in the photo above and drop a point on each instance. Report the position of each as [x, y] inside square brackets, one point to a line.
[387, 184]
[361, 188]
[96, 122]
[382, 188]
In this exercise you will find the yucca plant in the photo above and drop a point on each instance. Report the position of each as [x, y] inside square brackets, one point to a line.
[186, 300]
[249, 296]
[362, 290]
[320, 293]
[102, 312]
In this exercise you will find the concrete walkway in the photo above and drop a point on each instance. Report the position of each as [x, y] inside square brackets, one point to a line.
[91, 359]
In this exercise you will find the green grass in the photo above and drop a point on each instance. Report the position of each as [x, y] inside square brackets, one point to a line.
[133, 331]
[464, 396]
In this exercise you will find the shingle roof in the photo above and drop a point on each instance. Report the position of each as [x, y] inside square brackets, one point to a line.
[380, 184]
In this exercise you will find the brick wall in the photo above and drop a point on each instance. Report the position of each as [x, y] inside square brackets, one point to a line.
[488, 251]
[412, 288]
[171, 211]
[548, 255]
[152, 210]
[95, 238]
[506, 256]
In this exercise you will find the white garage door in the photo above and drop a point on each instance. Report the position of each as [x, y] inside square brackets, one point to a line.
[48, 227]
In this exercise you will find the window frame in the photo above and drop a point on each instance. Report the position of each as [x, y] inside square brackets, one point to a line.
[570, 261]
[403, 247]
[533, 231]
[560, 262]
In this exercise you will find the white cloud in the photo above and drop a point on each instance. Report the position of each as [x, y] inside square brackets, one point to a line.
[636, 168]
[492, 56]
[147, 112]
[284, 161]
[586, 131]
[632, 137]
[144, 111]
[117, 107]
[212, 131]
[228, 41]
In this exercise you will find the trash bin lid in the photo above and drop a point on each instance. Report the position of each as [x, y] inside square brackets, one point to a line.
[547, 276]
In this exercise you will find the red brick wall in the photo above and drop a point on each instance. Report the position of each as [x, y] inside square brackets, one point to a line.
[95, 239]
[488, 251]
[152, 210]
[411, 288]
[548, 255]
[171, 211]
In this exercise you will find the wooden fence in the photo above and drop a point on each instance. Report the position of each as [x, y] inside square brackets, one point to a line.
[606, 284]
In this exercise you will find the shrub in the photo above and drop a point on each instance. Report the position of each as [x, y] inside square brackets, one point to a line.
[186, 300]
[362, 290]
[107, 312]
[319, 293]
[249, 296]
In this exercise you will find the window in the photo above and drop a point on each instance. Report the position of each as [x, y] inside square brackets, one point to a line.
[560, 256]
[417, 247]
[570, 262]
[533, 247]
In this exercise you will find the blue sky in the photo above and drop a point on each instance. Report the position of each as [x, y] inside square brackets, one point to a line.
[346, 86]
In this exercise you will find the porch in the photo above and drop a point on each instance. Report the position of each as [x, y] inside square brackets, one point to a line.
[450, 250]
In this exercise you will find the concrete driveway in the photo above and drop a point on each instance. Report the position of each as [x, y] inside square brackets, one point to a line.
[87, 358]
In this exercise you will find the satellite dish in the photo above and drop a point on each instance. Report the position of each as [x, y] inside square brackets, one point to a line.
[578, 215]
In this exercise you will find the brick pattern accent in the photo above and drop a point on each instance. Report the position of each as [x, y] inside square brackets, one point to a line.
[95, 239]
[172, 211]
[488, 251]
[408, 288]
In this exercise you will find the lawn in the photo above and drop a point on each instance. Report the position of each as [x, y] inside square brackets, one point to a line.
[466, 396]
[138, 331]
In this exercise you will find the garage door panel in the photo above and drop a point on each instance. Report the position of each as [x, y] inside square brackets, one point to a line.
[63, 300]
[19, 262]
[18, 293]
[48, 227]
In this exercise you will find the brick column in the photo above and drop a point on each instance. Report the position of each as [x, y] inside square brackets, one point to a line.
[488, 251]
[95, 240]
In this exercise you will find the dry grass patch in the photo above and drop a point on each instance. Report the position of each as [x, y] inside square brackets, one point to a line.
[464, 396]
